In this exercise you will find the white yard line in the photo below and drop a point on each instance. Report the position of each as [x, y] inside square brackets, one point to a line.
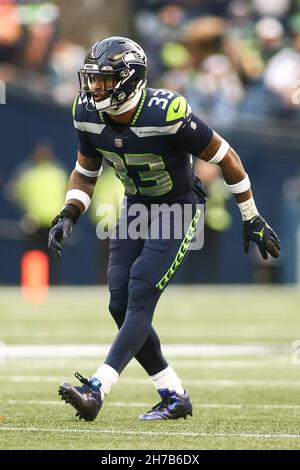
[138, 381]
[121, 404]
[148, 433]
[275, 362]
[171, 350]
[225, 383]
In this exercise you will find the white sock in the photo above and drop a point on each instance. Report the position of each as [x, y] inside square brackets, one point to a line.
[108, 377]
[167, 378]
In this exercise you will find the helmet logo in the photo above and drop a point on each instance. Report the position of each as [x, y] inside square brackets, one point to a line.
[119, 143]
[133, 57]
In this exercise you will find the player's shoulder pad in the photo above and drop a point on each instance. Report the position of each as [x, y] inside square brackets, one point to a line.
[178, 109]
[84, 120]
[78, 109]
[167, 107]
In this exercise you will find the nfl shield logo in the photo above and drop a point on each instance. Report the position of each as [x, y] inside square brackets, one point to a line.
[119, 143]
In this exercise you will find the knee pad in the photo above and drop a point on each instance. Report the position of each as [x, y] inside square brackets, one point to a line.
[142, 300]
[138, 289]
[118, 305]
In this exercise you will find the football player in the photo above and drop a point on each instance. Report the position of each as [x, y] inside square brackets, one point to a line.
[148, 136]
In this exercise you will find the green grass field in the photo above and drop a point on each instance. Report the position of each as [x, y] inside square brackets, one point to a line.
[243, 399]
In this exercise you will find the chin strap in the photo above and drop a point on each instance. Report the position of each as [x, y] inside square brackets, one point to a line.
[123, 108]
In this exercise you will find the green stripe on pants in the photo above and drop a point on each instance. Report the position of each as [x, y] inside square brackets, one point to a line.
[181, 252]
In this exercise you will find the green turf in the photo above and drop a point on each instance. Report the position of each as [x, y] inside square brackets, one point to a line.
[240, 402]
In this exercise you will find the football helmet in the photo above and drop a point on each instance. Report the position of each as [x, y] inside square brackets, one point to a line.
[120, 65]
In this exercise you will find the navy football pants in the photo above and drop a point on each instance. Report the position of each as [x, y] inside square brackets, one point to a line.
[138, 271]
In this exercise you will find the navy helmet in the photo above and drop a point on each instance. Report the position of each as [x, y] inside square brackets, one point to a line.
[122, 65]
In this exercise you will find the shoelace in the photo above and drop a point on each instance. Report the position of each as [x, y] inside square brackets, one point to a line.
[162, 404]
[81, 379]
[85, 381]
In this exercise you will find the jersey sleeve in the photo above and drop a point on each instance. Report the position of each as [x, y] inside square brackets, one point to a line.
[85, 146]
[192, 135]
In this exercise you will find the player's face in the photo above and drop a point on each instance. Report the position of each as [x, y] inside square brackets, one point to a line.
[101, 86]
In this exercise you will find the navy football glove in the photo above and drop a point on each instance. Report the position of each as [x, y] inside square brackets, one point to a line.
[62, 226]
[263, 235]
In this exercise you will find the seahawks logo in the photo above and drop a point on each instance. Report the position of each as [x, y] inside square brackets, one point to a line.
[133, 57]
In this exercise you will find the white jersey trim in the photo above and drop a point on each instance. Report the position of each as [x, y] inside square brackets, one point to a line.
[89, 127]
[151, 131]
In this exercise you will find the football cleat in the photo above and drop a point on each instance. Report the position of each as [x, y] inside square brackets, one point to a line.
[172, 406]
[86, 399]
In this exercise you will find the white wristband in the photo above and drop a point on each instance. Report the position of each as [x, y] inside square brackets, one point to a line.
[248, 209]
[80, 196]
[223, 149]
[239, 187]
[88, 173]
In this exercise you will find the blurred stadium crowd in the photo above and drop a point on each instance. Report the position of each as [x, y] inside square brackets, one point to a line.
[33, 49]
[228, 57]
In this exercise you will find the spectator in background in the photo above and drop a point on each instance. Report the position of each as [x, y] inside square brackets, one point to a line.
[270, 35]
[204, 73]
[282, 75]
[10, 32]
[222, 62]
[27, 33]
[278, 8]
[157, 28]
[239, 21]
[199, 39]
[253, 56]
[180, 74]
[29, 46]
[40, 22]
[65, 60]
[222, 89]
[203, 37]
[38, 187]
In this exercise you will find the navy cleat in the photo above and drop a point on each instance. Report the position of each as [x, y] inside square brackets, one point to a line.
[85, 399]
[172, 406]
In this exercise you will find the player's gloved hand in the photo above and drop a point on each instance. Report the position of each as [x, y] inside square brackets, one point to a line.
[263, 235]
[62, 226]
[61, 229]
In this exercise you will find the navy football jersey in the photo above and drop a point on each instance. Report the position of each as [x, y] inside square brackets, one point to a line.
[152, 155]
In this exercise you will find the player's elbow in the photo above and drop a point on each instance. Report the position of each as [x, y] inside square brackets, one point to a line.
[230, 160]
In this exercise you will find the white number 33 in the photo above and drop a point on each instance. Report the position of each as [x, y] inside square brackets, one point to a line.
[162, 102]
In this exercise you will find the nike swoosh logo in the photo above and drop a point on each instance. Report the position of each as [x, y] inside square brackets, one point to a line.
[260, 234]
[177, 109]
